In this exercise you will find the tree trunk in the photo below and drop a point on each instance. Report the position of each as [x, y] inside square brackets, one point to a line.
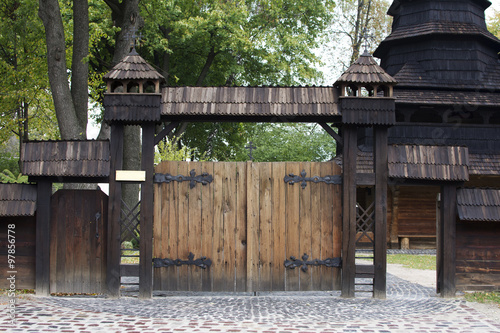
[69, 126]
[206, 67]
[80, 66]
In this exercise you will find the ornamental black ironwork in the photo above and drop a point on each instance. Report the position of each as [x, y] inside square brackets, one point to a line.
[204, 178]
[302, 179]
[294, 262]
[202, 262]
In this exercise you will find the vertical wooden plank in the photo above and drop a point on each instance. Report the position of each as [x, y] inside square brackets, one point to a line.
[69, 274]
[114, 211]
[218, 231]
[160, 203]
[381, 174]
[207, 220]
[241, 226]
[44, 192]
[183, 217]
[229, 216]
[327, 242]
[171, 274]
[350, 150]
[54, 245]
[305, 226]
[147, 206]
[265, 227]
[316, 237]
[292, 226]
[252, 226]
[86, 214]
[195, 228]
[337, 226]
[448, 232]
[279, 225]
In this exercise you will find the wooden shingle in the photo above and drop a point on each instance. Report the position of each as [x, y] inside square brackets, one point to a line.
[478, 204]
[17, 200]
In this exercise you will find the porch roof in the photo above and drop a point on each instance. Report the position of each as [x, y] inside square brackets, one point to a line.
[438, 163]
[17, 200]
[478, 204]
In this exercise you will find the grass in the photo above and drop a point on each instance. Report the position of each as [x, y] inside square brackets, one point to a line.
[425, 262]
[483, 297]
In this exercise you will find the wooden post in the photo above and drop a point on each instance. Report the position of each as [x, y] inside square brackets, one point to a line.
[448, 236]
[114, 211]
[394, 228]
[147, 211]
[349, 211]
[42, 275]
[381, 174]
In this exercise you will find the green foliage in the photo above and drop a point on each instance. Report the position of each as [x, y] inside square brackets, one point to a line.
[8, 177]
[171, 150]
[483, 297]
[24, 92]
[238, 42]
[494, 24]
[425, 262]
[291, 142]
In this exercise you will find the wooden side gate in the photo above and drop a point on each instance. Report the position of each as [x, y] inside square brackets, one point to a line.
[246, 223]
[78, 241]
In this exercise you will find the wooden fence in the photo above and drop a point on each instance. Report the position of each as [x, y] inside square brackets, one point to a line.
[248, 221]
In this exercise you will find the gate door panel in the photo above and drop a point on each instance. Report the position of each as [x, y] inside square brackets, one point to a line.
[78, 241]
[236, 232]
[202, 220]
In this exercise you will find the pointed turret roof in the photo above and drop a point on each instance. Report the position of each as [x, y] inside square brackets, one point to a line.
[133, 67]
[366, 70]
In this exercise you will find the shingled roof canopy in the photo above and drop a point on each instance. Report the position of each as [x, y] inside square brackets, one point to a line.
[429, 162]
[480, 205]
[251, 103]
[366, 70]
[17, 200]
[434, 163]
[133, 67]
[79, 160]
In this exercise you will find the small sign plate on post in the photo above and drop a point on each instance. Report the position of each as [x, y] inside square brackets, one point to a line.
[130, 176]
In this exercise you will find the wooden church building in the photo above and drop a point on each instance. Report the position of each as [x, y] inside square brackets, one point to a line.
[447, 67]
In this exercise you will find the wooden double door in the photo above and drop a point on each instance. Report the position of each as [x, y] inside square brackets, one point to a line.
[246, 222]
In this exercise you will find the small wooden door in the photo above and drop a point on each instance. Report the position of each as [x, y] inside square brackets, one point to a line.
[78, 241]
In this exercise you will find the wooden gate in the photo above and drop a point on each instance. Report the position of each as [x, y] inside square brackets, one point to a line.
[247, 221]
[78, 241]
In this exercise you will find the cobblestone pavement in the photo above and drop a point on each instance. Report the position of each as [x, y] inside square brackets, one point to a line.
[409, 307]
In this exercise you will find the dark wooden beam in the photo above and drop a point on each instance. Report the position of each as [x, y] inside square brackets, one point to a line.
[381, 175]
[42, 275]
[448, 236]
[332, 133]
[114, 213]
[349, 211]
[365, 179]
[147, 210]
[165, 131]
